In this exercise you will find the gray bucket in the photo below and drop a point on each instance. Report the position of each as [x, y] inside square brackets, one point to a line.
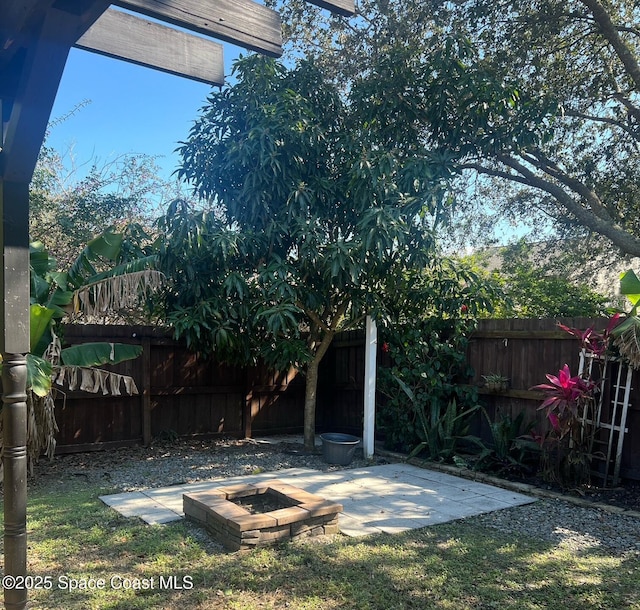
[338, 448]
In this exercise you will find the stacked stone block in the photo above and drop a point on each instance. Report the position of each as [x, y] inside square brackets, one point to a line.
[237, 528]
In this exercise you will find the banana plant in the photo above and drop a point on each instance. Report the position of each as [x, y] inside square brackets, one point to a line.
[97, 283]
[84, 290]
[626, 335]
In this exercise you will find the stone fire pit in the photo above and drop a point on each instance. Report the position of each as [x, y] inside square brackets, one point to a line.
[245, 516]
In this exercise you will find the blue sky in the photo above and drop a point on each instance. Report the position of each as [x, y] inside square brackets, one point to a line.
[131, 109]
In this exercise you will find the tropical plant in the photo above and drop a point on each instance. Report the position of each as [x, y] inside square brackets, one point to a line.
[58, 296]
[434, 405]
[495, 381]
[592, 341]
[570, 403]
[626, 334]
[312, 215]
[512, 447]
[565, 398]
[440, 430]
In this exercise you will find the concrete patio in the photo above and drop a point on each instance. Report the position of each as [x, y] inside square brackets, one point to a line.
[387, 498]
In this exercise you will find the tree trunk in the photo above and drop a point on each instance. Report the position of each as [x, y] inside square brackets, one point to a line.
[310, 392]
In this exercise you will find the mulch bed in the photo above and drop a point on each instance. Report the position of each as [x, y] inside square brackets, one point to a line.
[626, 495]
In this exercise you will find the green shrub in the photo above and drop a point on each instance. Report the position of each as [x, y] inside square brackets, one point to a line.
[427, 403]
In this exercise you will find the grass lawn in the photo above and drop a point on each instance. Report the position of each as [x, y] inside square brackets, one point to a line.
[459, 565]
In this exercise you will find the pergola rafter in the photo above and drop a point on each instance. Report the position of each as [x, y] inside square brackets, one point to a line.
[35, 39]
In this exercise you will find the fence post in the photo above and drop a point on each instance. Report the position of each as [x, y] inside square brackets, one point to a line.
[247, 409]
[146, 391]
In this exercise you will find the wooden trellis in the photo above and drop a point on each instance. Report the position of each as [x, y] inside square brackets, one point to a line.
[607, 424]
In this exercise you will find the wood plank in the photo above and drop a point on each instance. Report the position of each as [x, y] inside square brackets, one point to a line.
[523, 334]
[36, 85]
[240, 22]
[347, 8]
[18, 17]
[124, 36]
[101, 446]
[524, 394]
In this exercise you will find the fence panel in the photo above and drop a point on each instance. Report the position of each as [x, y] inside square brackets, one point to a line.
[183, 394]
[525, 351]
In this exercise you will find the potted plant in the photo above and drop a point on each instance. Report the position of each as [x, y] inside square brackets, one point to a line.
[495, 382]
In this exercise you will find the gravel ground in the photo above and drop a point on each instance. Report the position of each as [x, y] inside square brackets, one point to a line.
[556, 520]
[575, 527]
[173, 463]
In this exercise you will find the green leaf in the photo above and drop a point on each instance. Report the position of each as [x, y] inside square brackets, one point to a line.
[96, 354]
[40, 322]
[106, 246]
[630, 287]
[139, 264]
[38, 375]
[406, 389]
[39, 259]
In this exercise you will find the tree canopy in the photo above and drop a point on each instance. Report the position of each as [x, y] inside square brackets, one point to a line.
[68, 209]
[530, 285]
[541, 96]
[309, 215]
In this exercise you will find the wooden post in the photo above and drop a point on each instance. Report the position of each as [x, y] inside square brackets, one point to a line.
[247, 410]
[370, 346]
[146, 391]
[14, 344]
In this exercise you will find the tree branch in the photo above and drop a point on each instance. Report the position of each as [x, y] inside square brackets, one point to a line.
[628, 30]
[632, 109]
[543, 163]
[625, 241]
[611, 33]
[601, 119]
[314, 317]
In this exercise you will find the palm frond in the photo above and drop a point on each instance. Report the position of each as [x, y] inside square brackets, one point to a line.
[628, 342]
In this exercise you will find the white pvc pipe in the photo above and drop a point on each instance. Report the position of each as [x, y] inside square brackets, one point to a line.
[371, 344]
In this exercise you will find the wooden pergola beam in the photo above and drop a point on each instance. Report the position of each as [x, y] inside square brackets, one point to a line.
[29, 83]
[241, 22]
[18, 18]
[139, 41]
[346, 8]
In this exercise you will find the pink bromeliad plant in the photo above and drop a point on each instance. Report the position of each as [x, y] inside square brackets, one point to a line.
[564, 397]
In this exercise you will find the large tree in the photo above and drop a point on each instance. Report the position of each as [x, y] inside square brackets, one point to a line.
[543, 96]
[309, 215]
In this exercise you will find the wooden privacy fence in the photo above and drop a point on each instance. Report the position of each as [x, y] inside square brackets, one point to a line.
[182, 394]
[525, 351]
